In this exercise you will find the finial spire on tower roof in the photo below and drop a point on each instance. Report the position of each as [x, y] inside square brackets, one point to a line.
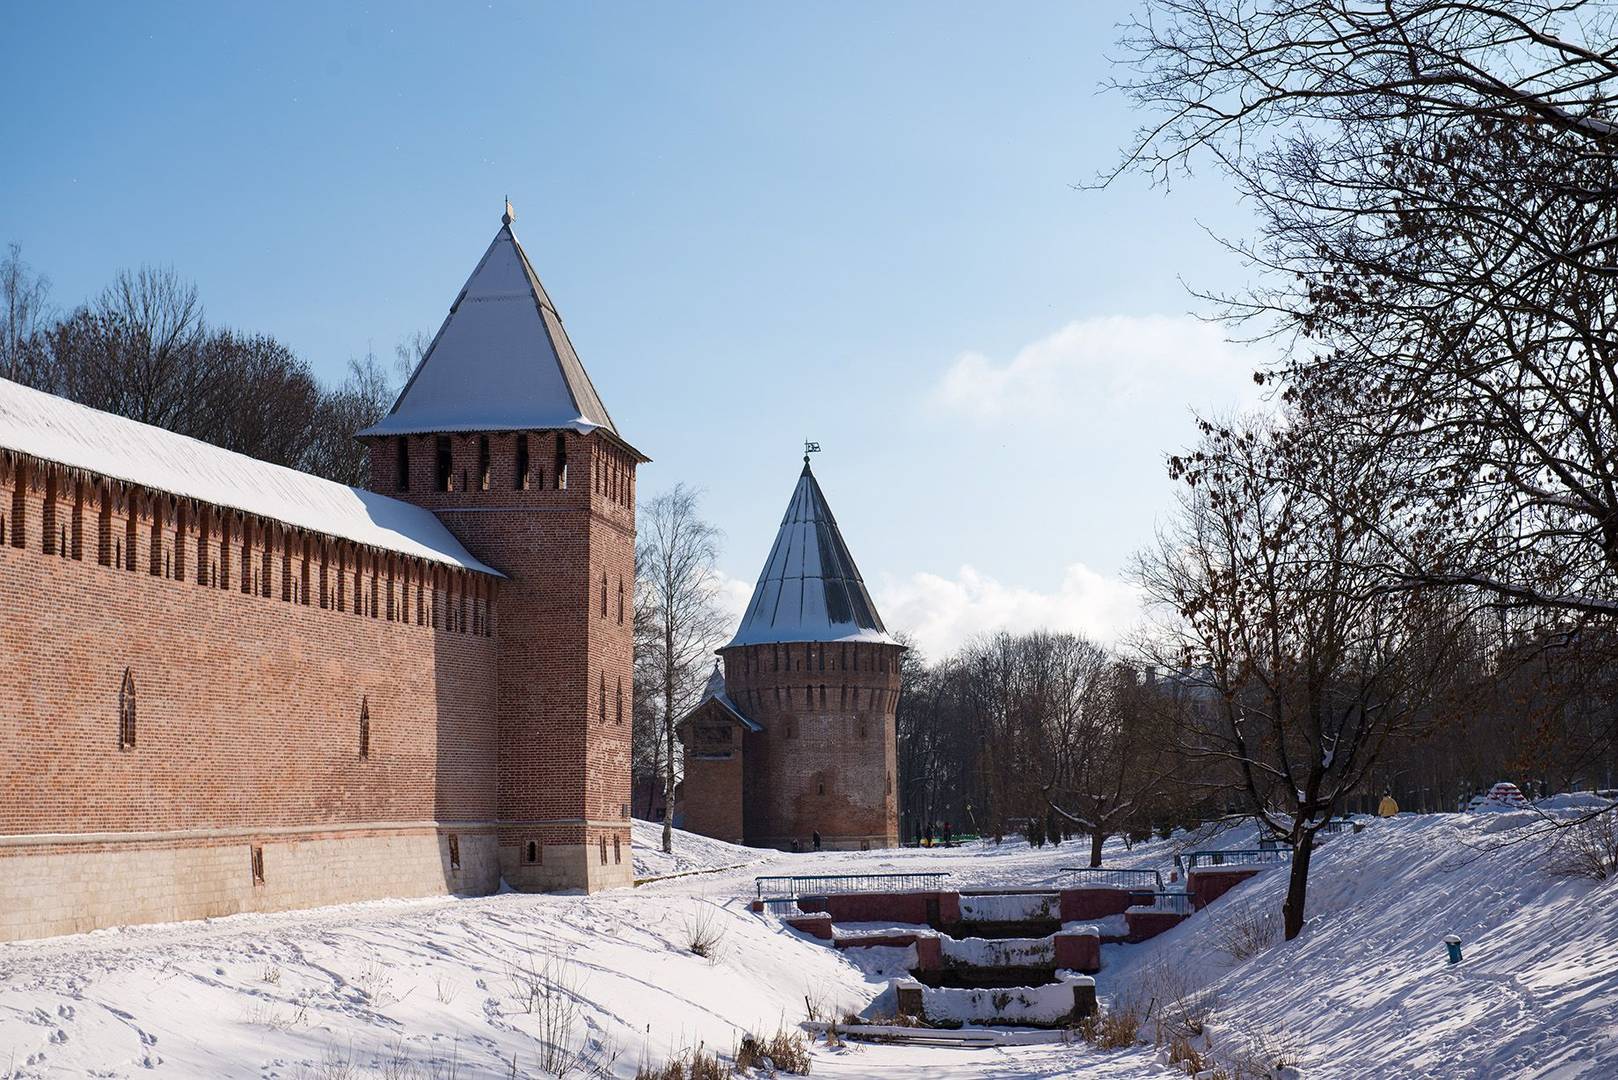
[510, 215]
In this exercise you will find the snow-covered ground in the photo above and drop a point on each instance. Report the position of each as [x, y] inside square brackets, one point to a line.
[693, 853]
[1363, 992]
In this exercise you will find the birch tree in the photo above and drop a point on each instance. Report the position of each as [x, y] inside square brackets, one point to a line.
[679, 621]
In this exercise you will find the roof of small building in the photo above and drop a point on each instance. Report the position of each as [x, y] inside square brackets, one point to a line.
[714, 693]
[500, 362]
[56, 429]
[810, 589]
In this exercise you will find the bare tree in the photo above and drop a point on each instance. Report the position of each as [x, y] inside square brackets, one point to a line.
[25, 311]
[1437, 195]
[678, 621]
[356, 403]
[1110, 753]
[1275, 619]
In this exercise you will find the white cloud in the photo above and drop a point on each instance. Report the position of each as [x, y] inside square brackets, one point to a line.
[942, 613]
[734, 595]
[1096, 364]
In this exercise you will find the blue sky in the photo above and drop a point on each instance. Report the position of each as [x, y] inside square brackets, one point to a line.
[848, 222]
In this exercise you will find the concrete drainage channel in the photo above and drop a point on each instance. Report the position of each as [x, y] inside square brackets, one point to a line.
[983, 961]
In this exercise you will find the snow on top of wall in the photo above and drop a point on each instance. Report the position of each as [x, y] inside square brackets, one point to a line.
[999, 952]
[63, 431]
[1046, 1004]
[1013, 907]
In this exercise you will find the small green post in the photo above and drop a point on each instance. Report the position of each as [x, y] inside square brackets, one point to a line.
[1453, 944]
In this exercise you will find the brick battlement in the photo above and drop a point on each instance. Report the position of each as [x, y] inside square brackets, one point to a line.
[826, 759]
[73, 515]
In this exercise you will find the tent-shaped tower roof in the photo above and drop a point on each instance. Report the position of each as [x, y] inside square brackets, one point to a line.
[810, 589]
[500, 362]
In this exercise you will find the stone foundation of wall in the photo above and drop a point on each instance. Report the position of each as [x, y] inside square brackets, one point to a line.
[67, 888]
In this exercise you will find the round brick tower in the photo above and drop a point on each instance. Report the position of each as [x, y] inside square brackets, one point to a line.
[816, 676]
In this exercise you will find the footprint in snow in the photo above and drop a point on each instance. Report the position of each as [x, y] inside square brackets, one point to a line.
[59, 1036]
[66, 1012]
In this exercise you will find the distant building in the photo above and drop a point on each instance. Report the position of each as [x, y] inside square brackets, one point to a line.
[229, 686]
[795, 731]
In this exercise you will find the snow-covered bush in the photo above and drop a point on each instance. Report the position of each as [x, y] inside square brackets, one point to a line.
[703, 933]
[784, 1052]
[1113, 1028]
[695, 1064]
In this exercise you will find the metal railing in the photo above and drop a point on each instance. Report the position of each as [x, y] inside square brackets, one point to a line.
[1177, 903]
[1115, 876]
[1337, 825]
[1190, 860]
[827, 884]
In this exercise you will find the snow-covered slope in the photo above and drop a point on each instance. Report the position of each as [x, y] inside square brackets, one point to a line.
[1366, 990]
[691, 852]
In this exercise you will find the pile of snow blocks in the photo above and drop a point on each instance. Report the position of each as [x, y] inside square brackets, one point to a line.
[1064, 1002]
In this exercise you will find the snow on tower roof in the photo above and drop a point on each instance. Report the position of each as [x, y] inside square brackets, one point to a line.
[500, 362]
[56, 429]
[715, 692]
[810, 589]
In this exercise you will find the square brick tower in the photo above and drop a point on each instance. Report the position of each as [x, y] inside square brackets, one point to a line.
[501, 434]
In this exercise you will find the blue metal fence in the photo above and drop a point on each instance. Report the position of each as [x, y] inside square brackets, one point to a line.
[1190, 860]
[1115, 876]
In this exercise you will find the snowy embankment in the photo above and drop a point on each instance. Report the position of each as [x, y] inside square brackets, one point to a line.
[475, 981]
[692, 853]
[1365, 990]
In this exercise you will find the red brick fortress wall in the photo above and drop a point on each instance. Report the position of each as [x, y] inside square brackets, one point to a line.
[181, 738]
[563, 533]
[826, 759]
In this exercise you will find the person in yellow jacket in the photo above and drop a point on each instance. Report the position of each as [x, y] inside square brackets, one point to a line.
[1387, 807]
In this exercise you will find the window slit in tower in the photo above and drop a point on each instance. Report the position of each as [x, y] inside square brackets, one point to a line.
[620, 600]
[522, 463]
[126, 711]
[401, 462]
[603, 594]
[445, 463]
[365, 728]
[483, 463]
[561, 462]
